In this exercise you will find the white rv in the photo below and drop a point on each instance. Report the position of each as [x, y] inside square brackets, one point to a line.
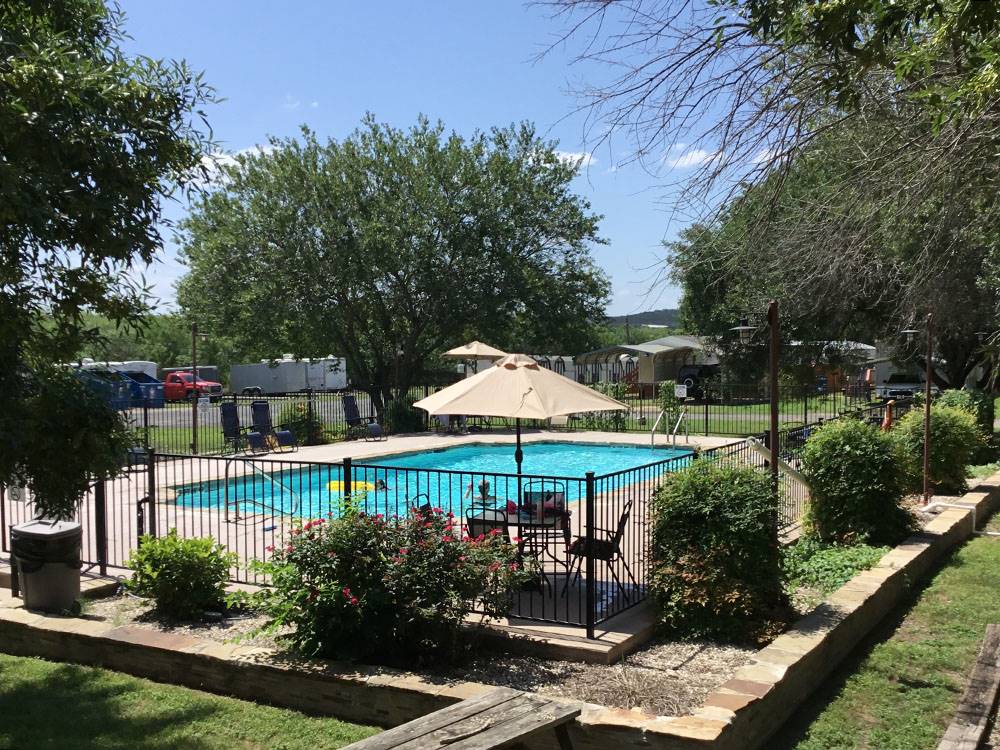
[289, 375]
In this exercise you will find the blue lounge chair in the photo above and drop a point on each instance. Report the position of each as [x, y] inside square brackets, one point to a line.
[356, 423]
[283, 437]
[236, 437]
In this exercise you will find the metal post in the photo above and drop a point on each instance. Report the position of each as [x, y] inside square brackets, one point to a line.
[348, 478]
[311, 416]
[590, 582]
[151, 491]
[772, 324]
[145, 424]
[101, 526]
[805, 405]
[194, 400]
[705, 396]
[927, 409]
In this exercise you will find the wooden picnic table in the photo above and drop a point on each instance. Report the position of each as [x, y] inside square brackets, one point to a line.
[500, 718]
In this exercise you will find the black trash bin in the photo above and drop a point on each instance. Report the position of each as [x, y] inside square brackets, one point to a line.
[45, 570]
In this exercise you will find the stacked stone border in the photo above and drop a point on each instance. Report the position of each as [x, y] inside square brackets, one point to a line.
[742, 713]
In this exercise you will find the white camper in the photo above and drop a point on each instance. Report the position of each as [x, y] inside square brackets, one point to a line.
[289, 375]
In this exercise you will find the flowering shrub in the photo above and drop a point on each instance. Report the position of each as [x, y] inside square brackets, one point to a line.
[305, 424]
[390, 590]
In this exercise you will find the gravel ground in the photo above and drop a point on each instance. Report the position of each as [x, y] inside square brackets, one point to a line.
[664, 677]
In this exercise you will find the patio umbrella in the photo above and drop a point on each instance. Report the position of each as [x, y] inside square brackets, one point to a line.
[517, 387]
[474, 351]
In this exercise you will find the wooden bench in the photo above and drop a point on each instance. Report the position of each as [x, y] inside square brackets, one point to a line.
[497, 719]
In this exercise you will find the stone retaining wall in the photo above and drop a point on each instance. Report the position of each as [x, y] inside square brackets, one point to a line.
[742, 713]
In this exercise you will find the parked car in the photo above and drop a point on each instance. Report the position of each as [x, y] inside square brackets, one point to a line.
[901, 385]
[694, 377]
[182, 386]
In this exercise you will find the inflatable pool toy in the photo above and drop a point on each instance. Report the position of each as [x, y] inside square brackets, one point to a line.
[338, 486]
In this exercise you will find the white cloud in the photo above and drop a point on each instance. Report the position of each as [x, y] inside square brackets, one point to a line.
[583, 158]
[313, 104]
[765, 155]
[216, 161]
[291, 102]
[688, 159]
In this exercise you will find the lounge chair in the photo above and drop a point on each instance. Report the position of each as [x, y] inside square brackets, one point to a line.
[355, 423]
[607, 551]
[282, 437]
[236, 437]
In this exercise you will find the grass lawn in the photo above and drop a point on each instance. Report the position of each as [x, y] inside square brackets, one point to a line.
[901, 692]
[50, 705]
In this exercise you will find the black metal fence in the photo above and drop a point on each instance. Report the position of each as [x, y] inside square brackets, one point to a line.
[183, 427]
[250, 504]
[737, 410]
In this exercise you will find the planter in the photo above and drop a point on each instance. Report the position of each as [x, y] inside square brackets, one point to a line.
[45, 564]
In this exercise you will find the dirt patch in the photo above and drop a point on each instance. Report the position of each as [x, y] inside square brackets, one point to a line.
[663, 678]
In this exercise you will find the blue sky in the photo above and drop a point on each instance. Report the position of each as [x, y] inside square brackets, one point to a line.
[470, 64]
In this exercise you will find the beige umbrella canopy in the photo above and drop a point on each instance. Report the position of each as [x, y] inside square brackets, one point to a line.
[475, 350]
[517, 387]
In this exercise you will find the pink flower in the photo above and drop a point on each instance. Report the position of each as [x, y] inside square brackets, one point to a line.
[462, 558]
[354, 601]
[331, 555]
[439, 511]
[289, 548]
[447, 538]
[494, 532]
[269, 548]
[403, 550]
[514, 566]
[493, 567]
[517, 540]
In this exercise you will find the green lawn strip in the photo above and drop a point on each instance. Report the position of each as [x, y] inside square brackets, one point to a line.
[901, 693]
[51, 705]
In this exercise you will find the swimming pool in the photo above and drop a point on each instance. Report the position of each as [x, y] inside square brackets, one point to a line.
[452, 478]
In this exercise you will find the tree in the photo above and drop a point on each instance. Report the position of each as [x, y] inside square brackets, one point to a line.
[844, 263]
[392, 245]
[92, 142]
[842, 140]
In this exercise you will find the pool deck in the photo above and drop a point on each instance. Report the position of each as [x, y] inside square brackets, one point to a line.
[358, 450]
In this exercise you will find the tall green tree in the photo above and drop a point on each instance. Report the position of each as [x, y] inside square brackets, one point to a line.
[91, 143]
[392, 245]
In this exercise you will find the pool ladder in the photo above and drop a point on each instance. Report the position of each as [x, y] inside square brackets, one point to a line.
[296, 500]
[681, 419]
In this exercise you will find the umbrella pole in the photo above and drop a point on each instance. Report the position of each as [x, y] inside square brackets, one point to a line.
[518, 457]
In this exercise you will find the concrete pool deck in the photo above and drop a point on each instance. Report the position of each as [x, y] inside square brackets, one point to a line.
[358, 450]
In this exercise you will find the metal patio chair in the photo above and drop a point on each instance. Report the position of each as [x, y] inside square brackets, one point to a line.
[607, 551]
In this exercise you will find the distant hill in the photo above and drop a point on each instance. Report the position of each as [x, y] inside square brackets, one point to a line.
[666, 317]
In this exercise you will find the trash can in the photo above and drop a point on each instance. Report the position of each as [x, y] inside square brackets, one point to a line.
[45, 568]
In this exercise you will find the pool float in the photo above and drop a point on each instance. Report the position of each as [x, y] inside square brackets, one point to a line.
[337, 486]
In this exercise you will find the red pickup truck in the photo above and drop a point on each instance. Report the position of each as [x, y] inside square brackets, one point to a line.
[182, 386]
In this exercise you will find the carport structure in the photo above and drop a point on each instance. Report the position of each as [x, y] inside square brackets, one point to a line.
[656, 360]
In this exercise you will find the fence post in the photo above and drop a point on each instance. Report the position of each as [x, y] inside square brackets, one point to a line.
[591, 583]
[310, 437]
[805, 405]
[101, 525]
[145, 424]
[705, 396]
[151, 490]
[348, 478]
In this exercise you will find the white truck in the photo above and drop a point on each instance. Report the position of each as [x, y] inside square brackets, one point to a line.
[289, 375]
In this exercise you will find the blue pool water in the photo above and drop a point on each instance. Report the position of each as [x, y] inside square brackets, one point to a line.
[451, 478]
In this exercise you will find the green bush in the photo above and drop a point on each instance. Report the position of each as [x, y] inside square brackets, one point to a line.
[813, 564]
[184, 577]
[978, 403]
[306, 425]
[607, 421]
[388, 590]
[857, 479]
[401, 417]
[716, 560]
[955, 439]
